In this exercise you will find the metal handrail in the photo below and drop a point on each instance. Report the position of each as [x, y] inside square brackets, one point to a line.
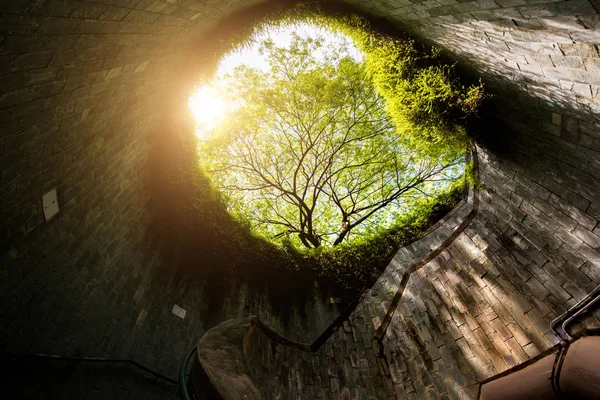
[181, 382]
[183, 392]
[53, 357]
[559, 324]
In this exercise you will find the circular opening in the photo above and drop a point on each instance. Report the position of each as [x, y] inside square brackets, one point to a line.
[305, 146]
[420, 111]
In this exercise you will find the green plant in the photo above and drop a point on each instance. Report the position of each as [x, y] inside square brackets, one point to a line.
[423, 95]
[310, 154]
[470, 176]
[425, 101]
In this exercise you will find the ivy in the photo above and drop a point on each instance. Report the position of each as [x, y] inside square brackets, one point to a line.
[425, 100]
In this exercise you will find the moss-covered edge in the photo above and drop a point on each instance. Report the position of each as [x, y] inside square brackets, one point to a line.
[423, 95]
[348, 267]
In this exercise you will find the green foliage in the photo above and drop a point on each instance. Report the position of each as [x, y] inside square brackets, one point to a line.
[309, 153]
[353, 266]
[423, 96]
[422, 99]
[471, 177]
[425, 101]
[211, 237]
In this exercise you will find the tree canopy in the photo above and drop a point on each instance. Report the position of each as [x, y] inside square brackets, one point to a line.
[310, 153]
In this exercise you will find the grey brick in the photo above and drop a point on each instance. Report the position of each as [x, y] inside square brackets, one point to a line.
[18, 25]
[34, 44]
[594, 211]
[593, 272]
[26, 62]
[114, 14]
[24, 95]
[588, 237]
[560, 9]
[574, 211]
[141, 16]
[581, 50]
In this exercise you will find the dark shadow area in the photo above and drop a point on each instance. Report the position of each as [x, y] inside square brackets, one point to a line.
[199, 241]
[43, 379]
[519, 103]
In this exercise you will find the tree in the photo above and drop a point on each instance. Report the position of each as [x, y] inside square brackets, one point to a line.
[309, 151]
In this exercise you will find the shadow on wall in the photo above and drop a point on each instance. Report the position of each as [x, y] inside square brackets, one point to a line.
[542, 69]
[60, 380]
[189, 219]
[481, 307]
[200, 245]
[199, 242]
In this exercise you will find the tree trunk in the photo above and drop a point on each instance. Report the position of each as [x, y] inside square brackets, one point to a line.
[305, 242]
[309, 240]
[315, 241]
[341, 237]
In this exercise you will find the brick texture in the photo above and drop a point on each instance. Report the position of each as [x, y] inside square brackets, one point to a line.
[83, 87]
[480, 307]
[84, 82]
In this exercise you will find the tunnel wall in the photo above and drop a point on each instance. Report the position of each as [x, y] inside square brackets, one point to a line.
[540, 60]
[546, 49]
[85, 88]
[480, 305]
[84, 83]
[485, 303]
[81, 84]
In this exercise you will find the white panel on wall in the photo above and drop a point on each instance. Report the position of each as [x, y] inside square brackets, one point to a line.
[50, 204]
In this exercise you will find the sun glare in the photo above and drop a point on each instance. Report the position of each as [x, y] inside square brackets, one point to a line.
[207, 106]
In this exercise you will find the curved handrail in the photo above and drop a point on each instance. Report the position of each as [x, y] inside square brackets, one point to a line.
[380, 332]
[320, 341]
[572, 313]
[183, 392]
[569, 371]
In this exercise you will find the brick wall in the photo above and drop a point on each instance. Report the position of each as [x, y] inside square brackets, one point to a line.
[480, 305]
[82, 83]
[549, 49]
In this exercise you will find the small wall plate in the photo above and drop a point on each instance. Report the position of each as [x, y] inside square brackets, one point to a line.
[180, 312]
[50, 204]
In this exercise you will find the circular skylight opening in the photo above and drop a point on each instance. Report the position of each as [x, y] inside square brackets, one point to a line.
[302, 146]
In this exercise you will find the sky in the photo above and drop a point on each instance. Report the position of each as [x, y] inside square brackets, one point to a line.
[209, 109]
[282, 36]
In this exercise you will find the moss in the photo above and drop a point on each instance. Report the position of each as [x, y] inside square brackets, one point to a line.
[354, 266]
[470, 176]
[425, 99]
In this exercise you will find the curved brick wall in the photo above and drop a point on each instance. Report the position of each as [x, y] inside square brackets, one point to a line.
[478, 306]
[85, 88]
[83, 84]
[282, 370]
[545, 49]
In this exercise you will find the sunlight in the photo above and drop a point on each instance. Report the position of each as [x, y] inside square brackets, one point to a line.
[302, 89]
[208, 104]
[250, 56]
[208, 107]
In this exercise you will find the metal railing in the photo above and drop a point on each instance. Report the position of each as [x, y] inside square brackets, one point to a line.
[560, 324]
[183, 374]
